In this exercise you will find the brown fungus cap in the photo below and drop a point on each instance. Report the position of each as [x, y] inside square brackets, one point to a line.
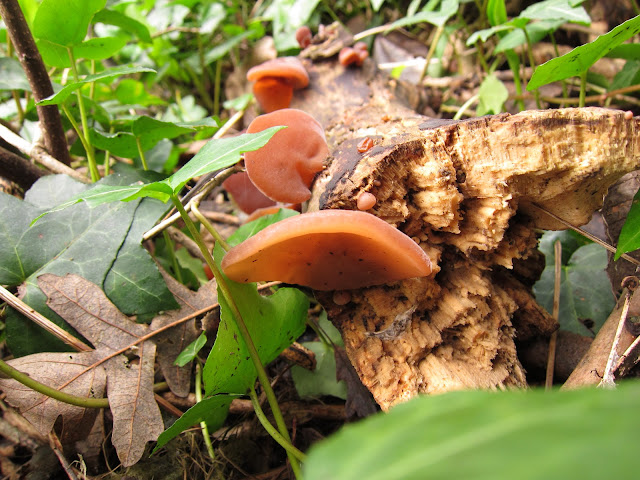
[245, 194]
[275, 80]
[328, 250]
[285, 167]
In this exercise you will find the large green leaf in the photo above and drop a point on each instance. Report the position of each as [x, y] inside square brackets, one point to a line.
[275, 322]
[586, 434]
[215, 155]
[220, 153]
[60, 96]
[448, 8]
[65, 22]
[561, 10]
[126, 23]
[581, 58]
[585, 292]
[101, 244]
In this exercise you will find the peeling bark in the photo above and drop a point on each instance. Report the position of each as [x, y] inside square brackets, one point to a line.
[466, 192]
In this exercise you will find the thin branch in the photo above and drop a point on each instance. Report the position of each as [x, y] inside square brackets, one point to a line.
[608, 379]
[32, 64]
[19, 170]
[39, 154]
[42, 321]
[586, 234]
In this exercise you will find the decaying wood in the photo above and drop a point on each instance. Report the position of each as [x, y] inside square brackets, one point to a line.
[466, 192]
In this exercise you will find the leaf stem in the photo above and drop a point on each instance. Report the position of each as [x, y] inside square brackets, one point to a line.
[203, 425]
[91, 154]
[242, 327]
[143, 159]
[172, 255]
[266, 424]
[207, 224]
[432, 50]
[583, 88]
[27, 381]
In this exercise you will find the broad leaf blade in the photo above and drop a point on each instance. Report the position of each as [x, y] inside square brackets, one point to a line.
[218, 154]
[581, 58]
[65, 22]
[484, 435]
[63, 94]
[126, 23]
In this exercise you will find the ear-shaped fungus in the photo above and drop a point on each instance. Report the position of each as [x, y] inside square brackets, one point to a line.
[275, 80]
[328, 250]
[245, 194]
[285, 167]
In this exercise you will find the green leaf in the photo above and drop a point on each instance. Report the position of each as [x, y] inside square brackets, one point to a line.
[496, 12]
[485, 34]
[628, 51]
[581, 434]
[536, 32]
[126, 23]
[250, 229]
[629, 75]
[12, 77]
[212, 410]
[438, 18]
[218, 154]
[151, 131]
[274, 322]
[65, 22]
[491, 96]
[581, 58]
[585, 292]
[629, 239]
[191, 352]
[322, 381]
[560, 10]
[96, 243]
[132, 92]
[68, 89]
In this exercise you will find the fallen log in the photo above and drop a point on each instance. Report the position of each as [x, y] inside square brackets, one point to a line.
[473, 195]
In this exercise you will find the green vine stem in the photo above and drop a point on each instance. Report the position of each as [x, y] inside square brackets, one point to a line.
[27, 381]
[198, 214]
[583, 88]
[242, 327]
[266, 424]
[91, 155]
[203, 425]
[172, 255]
[143, 159]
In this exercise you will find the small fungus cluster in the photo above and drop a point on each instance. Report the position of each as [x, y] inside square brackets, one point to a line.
[355, 55]
[275, 80]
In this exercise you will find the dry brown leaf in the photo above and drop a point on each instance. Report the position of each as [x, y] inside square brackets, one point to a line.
[173, 341]
[121, 362]
[68, 372]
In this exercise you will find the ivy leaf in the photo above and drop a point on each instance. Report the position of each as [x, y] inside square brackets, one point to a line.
[100, 244]
[488, 435]
[189, 353]
[585, 292]
[581, 58]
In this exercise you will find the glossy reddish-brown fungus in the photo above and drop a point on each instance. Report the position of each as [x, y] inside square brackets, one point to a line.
[245, 194]
[285, 167]
[328, 250]
[365, 145]
[275, 80]
[366, 201]
[303, 36]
